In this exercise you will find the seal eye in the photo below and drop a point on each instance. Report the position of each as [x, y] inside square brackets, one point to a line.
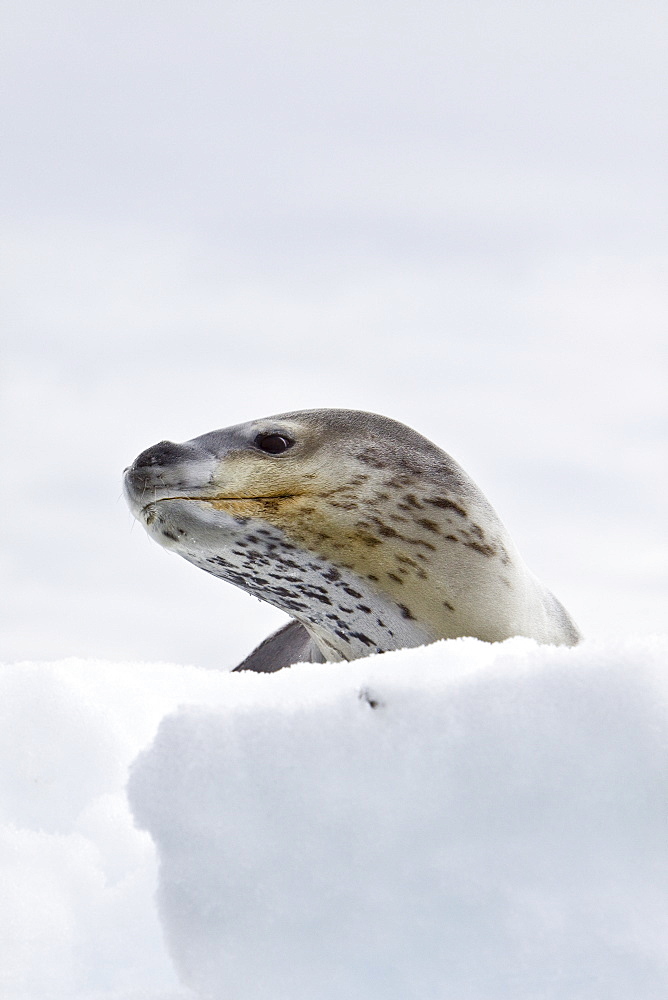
[274, 444]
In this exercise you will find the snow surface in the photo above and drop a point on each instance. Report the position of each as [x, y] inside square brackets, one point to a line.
[459, 821]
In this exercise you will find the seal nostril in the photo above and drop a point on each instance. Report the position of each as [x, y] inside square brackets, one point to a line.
[163, 453]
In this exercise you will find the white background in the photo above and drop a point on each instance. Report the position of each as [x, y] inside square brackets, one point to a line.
[451, 213]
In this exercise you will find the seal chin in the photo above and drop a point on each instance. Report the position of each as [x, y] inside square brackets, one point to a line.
[183, 515]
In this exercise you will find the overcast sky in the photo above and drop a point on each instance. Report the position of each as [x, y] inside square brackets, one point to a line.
[451, 213]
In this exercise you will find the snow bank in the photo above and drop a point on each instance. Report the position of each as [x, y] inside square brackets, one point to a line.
[77, 918]
[457, 822]
[461, 821]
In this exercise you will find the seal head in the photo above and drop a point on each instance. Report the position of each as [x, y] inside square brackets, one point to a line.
[362, 530]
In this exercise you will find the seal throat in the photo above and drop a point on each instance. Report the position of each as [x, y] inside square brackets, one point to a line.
[346, 616]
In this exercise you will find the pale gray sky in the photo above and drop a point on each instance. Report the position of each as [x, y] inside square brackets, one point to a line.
[451, 213]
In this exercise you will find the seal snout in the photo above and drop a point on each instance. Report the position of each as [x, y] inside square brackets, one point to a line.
[164, 469]
[148, 469]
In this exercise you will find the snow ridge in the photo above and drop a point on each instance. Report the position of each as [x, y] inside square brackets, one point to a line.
[464, 820]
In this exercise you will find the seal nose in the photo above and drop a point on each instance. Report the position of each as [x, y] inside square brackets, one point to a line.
[163, 453]
[155, 468]
[166, 468]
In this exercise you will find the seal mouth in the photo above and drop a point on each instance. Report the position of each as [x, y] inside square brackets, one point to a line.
[219, 500]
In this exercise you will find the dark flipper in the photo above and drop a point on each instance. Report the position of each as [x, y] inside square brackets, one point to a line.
[291, 644]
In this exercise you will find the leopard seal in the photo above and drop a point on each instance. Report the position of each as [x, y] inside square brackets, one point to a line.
[368, 535]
